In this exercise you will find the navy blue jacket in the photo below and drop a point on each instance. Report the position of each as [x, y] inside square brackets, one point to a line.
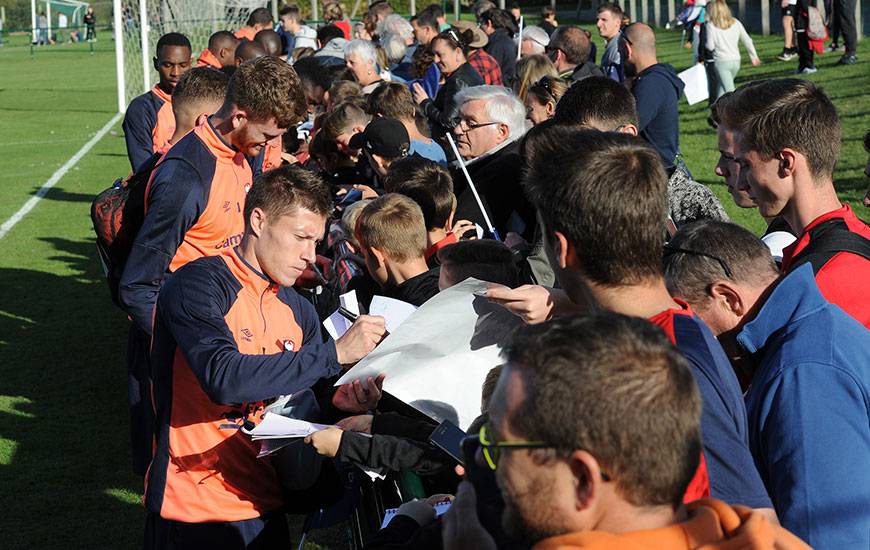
[809, 413]
[139, 122]
[733, 476]
[501, 46]
[657, 91]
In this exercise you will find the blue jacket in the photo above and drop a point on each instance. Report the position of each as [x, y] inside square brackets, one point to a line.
[809, 413]
[657, 92]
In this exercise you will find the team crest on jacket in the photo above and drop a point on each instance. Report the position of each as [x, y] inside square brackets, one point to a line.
[287, 345]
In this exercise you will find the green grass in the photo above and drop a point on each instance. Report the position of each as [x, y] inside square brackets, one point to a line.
[65, 478]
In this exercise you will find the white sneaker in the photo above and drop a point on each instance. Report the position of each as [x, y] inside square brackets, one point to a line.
[806, 70]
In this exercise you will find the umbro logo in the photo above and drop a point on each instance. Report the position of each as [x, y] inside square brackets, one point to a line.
[247, 335]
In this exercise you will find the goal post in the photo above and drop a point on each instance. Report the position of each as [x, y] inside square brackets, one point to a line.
[138, 24]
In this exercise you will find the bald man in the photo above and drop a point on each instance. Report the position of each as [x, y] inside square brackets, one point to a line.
[249, 50]
[221, 51]
[656, 89]
[271, 42]
[570, 51]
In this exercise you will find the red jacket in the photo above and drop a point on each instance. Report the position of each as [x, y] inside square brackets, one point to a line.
[843, 279]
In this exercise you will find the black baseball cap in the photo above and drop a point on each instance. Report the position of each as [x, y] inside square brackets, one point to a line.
[385, 137]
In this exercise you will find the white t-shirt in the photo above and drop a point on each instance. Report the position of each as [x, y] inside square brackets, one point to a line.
[62, 21]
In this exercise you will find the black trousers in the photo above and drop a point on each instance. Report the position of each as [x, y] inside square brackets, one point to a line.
[844, 12]
[139, 395]
[268, 532]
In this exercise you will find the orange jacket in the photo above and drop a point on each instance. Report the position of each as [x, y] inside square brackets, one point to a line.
[226, 339]
[246, 33]
[165, 127]
[208, 59]
[272, 155]
[194, 204]
[711, 525]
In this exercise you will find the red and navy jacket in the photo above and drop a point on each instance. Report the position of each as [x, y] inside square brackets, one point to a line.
[148, 125]
[226, 340]
[194, 205]
[843, 278]
[730, 473]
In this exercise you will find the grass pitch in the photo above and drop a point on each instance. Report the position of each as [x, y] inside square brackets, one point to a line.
[65, 478]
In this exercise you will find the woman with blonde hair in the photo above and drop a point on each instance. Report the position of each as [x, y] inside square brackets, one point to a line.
[723, 33]
[531, 69]
[542, 97]
[334, 15]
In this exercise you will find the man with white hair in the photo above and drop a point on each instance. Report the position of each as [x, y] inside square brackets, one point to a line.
[397, 38]
[534, 41]
[491, 122]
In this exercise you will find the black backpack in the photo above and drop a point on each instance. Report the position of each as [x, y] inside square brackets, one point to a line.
[827, 240]
[117, 214]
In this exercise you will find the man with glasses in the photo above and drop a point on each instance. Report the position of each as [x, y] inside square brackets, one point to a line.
[491, 121]
[594, 434]
[603, 211]
[805, 361]
[569, 49]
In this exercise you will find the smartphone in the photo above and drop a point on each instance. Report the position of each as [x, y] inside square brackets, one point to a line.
[448, 437]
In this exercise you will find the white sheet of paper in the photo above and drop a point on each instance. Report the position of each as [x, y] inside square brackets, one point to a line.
[695, 79]
[437, 360]
[336, 325]
[395, 312]
[390, 513]
[275, 426]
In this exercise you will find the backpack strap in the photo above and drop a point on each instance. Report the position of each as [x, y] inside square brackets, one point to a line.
[829, 239]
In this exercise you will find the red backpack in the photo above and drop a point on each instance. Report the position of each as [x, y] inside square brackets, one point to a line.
[117, 214]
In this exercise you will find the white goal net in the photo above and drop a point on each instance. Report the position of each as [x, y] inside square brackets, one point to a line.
[140, 23]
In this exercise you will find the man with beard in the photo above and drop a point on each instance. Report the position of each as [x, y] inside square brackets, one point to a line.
[577, 474]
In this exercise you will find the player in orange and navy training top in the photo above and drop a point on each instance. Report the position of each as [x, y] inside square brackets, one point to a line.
[195, 196]
[259, 19]
[230, 334]
[149, 123]
[199, 93]
[221, 51]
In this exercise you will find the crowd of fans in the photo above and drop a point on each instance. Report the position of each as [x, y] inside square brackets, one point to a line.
[679, 382]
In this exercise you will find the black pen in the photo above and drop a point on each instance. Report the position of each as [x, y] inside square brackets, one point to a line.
[352, 317]
[347, 314]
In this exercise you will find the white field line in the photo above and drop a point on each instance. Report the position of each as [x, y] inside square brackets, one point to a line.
[61, 172]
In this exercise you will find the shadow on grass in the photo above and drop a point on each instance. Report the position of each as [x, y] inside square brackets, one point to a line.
[58, 194]
[67, 482]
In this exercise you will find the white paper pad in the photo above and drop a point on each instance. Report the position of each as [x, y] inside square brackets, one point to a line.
[437, 360]
[695, 79]
[275, 426]
[394, 312]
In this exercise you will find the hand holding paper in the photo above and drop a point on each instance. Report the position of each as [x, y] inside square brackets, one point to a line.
[361, 338]
[325, 442]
